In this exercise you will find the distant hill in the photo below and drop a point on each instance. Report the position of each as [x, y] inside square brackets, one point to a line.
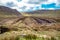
[44, 11]
[8, 11]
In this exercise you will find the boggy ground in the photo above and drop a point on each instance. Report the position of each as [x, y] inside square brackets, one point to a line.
[41, 27]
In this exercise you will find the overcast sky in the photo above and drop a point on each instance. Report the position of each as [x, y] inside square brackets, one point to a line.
[31, 5]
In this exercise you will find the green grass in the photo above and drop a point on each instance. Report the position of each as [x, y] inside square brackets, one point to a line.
[17, 36]
[33, 37]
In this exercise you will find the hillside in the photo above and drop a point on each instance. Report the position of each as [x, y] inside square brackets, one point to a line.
[8, 12]
[43, 13]
[33, 25]
[24, 26]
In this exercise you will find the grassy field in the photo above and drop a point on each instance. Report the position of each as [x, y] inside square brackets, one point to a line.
[42, 35]
[27, 28]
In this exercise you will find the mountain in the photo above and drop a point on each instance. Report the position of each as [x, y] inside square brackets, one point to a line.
[8, 11]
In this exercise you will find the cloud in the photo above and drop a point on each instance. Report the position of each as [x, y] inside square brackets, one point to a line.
[31, 5]
[36, 1]
[19, 0]
[10, 4]
[52, 5]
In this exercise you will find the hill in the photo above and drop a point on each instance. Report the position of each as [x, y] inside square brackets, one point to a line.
[43, 13]
[41, 25]
[37, 21]
[8, 12]
[31, 23]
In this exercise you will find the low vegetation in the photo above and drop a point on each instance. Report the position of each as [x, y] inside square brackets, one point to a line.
[31, 37]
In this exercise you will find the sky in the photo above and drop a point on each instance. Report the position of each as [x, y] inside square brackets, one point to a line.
[31, 5]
